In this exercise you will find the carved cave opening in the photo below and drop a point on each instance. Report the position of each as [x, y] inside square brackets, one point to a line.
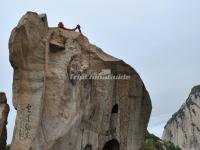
[112, 145]
[88, 147]
[115, 109]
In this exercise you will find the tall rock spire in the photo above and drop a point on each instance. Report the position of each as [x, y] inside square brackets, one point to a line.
[65, 88]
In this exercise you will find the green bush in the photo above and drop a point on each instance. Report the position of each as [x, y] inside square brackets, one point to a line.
[8, 147]
[152, 142]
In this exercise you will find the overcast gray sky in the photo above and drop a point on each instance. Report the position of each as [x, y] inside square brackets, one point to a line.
[159, 38]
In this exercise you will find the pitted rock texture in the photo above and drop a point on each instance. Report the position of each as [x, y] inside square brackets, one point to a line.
[56, 110]
[183, 129]
[4, 110]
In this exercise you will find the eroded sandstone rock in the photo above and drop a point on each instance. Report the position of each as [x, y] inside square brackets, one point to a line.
[4, 110]
[58, 111]
[183, 128]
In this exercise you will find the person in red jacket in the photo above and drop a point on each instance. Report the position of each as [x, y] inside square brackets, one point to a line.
[61, 25]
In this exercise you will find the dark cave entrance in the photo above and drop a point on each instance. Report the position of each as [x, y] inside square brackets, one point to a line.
[115, 109]
[88, 147]
[112, 145]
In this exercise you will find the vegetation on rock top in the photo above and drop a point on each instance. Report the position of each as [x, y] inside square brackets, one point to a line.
[152, 142]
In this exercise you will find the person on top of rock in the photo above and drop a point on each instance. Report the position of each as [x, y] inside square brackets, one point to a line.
[61, 25]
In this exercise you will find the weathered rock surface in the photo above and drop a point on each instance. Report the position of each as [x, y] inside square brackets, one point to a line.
[4, 110]
[183, 128]
[55, 110]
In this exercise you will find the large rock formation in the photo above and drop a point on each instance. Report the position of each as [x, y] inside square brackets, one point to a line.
[4, 110]
[183, 128]
[61, 104]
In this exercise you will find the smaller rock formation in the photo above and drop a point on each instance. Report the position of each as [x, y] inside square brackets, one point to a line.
[4, 110]
[183, 128]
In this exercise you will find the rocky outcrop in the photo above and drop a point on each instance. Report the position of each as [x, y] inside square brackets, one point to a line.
[70, 95]
[183, 128]
[4, 110]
